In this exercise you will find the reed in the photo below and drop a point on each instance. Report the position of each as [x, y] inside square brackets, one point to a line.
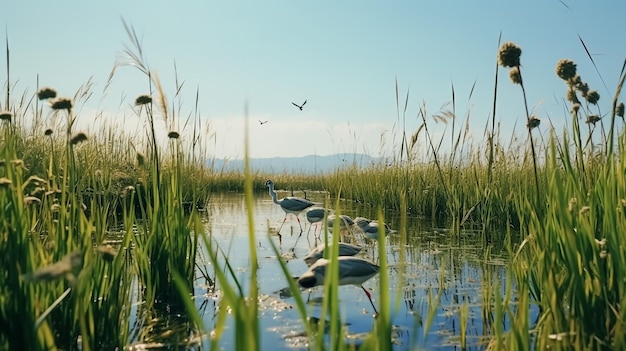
[63, 191]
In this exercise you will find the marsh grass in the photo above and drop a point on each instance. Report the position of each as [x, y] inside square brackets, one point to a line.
[65, 286]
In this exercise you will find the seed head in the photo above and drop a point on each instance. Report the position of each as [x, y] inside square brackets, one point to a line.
[575, 108]
[619, 109]
[571, 96]
[6, 116]
[5, 182]
[509, 55]
[107, 251]
[48, 132]
[566, 69]
[19, 163]
[573, 205]
[61, 104]
[46, 93]
[592, 119]
[29, 200]
[173, 135]
[78, 138]
[129, 189]
[593, 97]
[141, 159]
[583, 88]
[515, 76]
[533, 122]
[143, 99]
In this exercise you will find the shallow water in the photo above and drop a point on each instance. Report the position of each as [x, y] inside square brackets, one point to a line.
[434, 260]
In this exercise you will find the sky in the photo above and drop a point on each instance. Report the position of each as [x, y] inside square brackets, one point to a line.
[225, 62]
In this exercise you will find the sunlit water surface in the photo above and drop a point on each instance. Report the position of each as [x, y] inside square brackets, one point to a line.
[437, 262]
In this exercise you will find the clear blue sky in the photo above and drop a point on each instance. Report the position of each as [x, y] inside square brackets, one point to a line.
[343, 57]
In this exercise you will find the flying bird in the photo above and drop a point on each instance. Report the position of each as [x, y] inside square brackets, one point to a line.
[299, 106]
[262, 122]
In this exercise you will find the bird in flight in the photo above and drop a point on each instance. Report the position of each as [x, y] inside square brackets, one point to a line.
[299, 106]
[262, 122]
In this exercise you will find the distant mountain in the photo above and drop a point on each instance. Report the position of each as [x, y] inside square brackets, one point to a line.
[311, 164]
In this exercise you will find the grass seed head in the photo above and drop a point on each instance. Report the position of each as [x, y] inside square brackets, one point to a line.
[143, 99]
[141, 159]
[129, 189]
[108, 252]
[566, 69]
[78, 138]
[571, 96]
[593, 97]
[619, 109]
[592, 119]
[5, 182]
[29, 200]
[61, 104]
[509, 55]
[6, 116]
[515, 76]
[46, 93]
[533, 122]
[19, 163]
[583, 88]
[572, 207]
[584, 210]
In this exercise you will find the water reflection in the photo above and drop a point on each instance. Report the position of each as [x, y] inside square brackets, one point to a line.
[435, 266]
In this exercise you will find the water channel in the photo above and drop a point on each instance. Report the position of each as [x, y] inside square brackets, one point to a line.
[437, 262]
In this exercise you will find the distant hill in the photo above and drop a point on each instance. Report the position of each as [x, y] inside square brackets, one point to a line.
[311, 164]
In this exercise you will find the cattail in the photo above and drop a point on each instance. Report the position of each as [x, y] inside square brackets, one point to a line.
[143, 99]
[78, 138]
[593, 97]
[566, 69]
[46, 93]
[6, 116]
[515, 76]
[533, 122]
[509, 55]
[173, 135]
[61, 104]
[48, 132]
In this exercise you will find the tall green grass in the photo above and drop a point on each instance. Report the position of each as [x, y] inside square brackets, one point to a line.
[62, 191]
